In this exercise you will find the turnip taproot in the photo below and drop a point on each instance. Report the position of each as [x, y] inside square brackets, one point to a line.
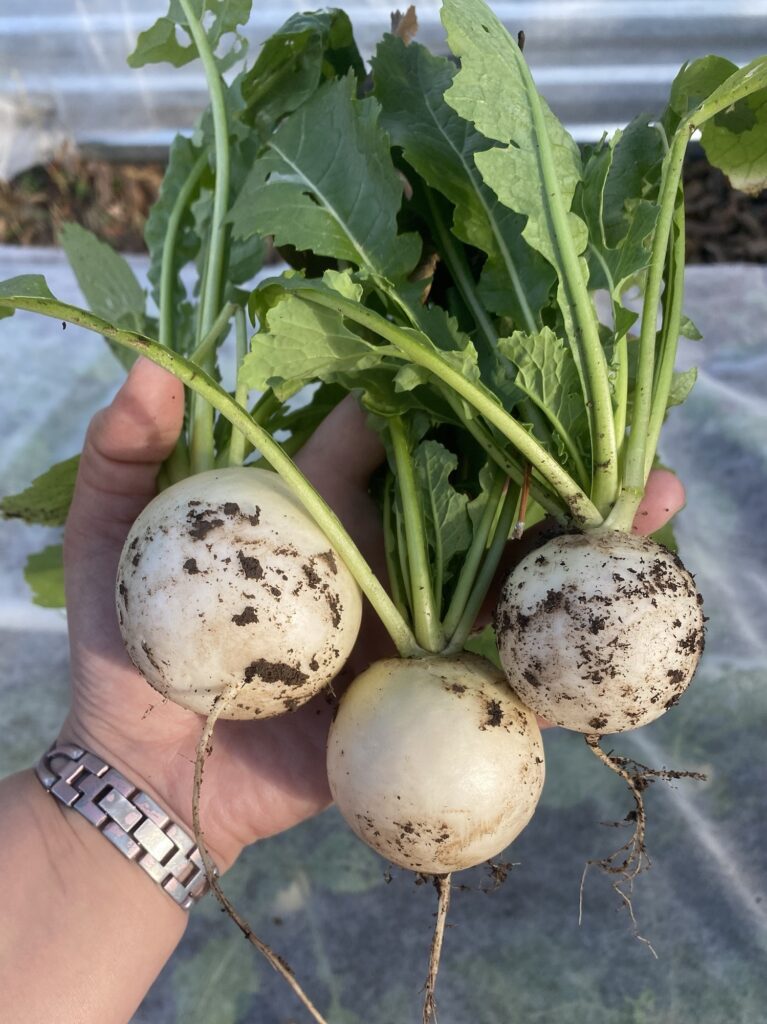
[434, 762]
[225, 578]
[599, 632]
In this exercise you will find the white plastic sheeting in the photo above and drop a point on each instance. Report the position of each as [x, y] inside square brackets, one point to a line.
[515, 956]
[598, 62]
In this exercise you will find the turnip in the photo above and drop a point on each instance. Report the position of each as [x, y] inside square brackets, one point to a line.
[434, 762]
[225, 578]
[599, 632]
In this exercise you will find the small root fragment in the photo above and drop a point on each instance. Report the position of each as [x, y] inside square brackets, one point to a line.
[442, 885]
[630, 859]
[204, 748]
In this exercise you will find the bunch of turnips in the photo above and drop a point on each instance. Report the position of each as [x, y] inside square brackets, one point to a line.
[445, 237]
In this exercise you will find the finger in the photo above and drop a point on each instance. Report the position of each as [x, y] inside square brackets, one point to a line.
[343, 447]
[664, 496]
[124, 448]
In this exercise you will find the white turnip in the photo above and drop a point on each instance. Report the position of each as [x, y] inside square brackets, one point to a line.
[224, 578]
[599, 632]
[434, 762]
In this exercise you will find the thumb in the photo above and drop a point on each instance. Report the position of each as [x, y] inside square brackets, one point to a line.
[125, 446]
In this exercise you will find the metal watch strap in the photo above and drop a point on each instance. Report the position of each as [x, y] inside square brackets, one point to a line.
[129, 818]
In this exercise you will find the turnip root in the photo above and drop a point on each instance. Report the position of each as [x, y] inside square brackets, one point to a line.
[434, 762]
[224, 578]
[599, 632]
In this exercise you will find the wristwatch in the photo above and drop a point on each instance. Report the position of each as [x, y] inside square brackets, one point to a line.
[129, 818]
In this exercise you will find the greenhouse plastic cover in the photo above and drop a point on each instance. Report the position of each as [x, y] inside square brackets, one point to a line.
[63, 72]
[358, 939]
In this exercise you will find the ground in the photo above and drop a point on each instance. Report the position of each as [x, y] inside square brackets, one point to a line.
[112, 198]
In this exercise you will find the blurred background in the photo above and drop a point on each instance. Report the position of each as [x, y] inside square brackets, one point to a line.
[83, 137]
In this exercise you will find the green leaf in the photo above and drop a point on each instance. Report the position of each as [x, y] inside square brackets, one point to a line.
[44, 573]
[688, 330]
[681, 386]
[302, 342]
[338, 200]
[220, 18]
[441, 146]
[494, 91]
[159, 44]
[729, 105]
[305, 51]
[484, 644]
[695, 82]
[618, 177]
[27, 285]
[737, 144]
[110, 287]
[48, 497]
[446, 517]
[547, 374]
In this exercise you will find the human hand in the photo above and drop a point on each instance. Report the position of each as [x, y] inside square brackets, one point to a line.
[262, 777]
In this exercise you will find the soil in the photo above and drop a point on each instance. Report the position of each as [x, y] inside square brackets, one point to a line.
[113, 198]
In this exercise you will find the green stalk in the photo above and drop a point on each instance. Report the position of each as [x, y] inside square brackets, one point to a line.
[580, 506]
[428, 631]
[455, 259]
[587, 343]
[621, 392]
[207, 346]
[236, 455]
[393, 567]
[672, 319]
[177, 464]
[622, 516]
[167, 268]
[202, 442]
[214, 277]
[204, 385]
[473, 558]
[486, 573]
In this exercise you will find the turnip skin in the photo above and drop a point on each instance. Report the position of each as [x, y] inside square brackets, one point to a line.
[223, 578]
[599, 633]
[434, 762]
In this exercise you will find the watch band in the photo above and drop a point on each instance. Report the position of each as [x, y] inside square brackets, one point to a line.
[129, 818]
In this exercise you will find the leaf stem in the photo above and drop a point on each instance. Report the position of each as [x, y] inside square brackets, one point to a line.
[486, 573]
[237, 442]
[420, 351]
[215, 271]
[672, 319]
[393, 566]
[204, 385]
[474, 556]
[636, 447]
[425, 616]
[167, 269]
[201, 441]
[214, 336]
[587, 342]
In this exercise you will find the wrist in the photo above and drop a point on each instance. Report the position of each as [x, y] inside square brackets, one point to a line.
[166, 774]
[128, 818]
